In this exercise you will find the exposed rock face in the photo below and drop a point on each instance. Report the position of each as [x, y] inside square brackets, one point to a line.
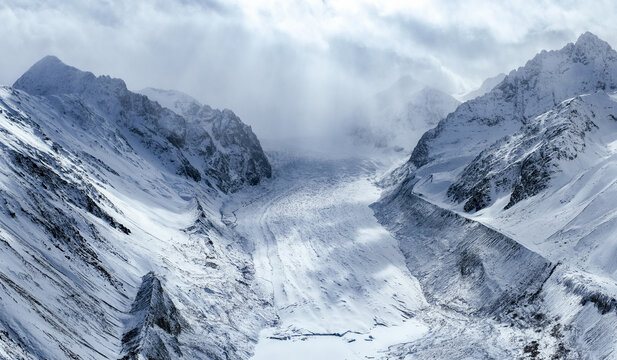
[521, 178]
[185, 142]
[154, 325]
[98, 186]
[522, 164]
[239, 160]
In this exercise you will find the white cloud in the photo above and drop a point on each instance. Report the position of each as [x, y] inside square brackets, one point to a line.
[290, 66]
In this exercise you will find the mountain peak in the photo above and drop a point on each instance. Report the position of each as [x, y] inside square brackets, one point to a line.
[49, 60]
[592, 46]
[550, 77]
[50, 76]
[589, 38]
[595, 67]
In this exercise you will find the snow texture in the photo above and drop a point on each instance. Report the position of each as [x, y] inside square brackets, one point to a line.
[128, 231]
[112, 246]
[532, 161]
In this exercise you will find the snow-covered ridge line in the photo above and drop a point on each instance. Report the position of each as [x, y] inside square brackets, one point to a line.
[208, 144]
[91, 199]
[535, 158]
[487, 85]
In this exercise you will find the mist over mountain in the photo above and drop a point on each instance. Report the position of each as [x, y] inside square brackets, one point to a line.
[487, 85]
[396, 117]
[307, 180]
[524, 167]
[319, 60]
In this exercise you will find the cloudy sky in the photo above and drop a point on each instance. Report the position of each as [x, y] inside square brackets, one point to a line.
[287, 66]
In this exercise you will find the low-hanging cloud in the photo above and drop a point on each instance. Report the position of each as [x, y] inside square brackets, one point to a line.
[291, 67]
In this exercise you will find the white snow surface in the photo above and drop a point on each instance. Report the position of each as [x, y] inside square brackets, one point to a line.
[340, 286]
[298, 266]
[534, 160]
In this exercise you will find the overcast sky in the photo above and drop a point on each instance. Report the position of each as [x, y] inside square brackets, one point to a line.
[292, 66]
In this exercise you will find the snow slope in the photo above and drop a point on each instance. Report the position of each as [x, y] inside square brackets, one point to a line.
[111, 245]
[532, 160]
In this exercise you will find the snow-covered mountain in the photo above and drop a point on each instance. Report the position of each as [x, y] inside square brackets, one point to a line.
[399, 115]
[112, 241]
[533, 161]
[129, 229]
[448, 154]
[239, 159]
[220, 148]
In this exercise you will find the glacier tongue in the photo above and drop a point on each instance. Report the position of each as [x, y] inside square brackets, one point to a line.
[339, 283]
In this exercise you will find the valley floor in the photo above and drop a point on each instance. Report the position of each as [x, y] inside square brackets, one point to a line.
[339, 282]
